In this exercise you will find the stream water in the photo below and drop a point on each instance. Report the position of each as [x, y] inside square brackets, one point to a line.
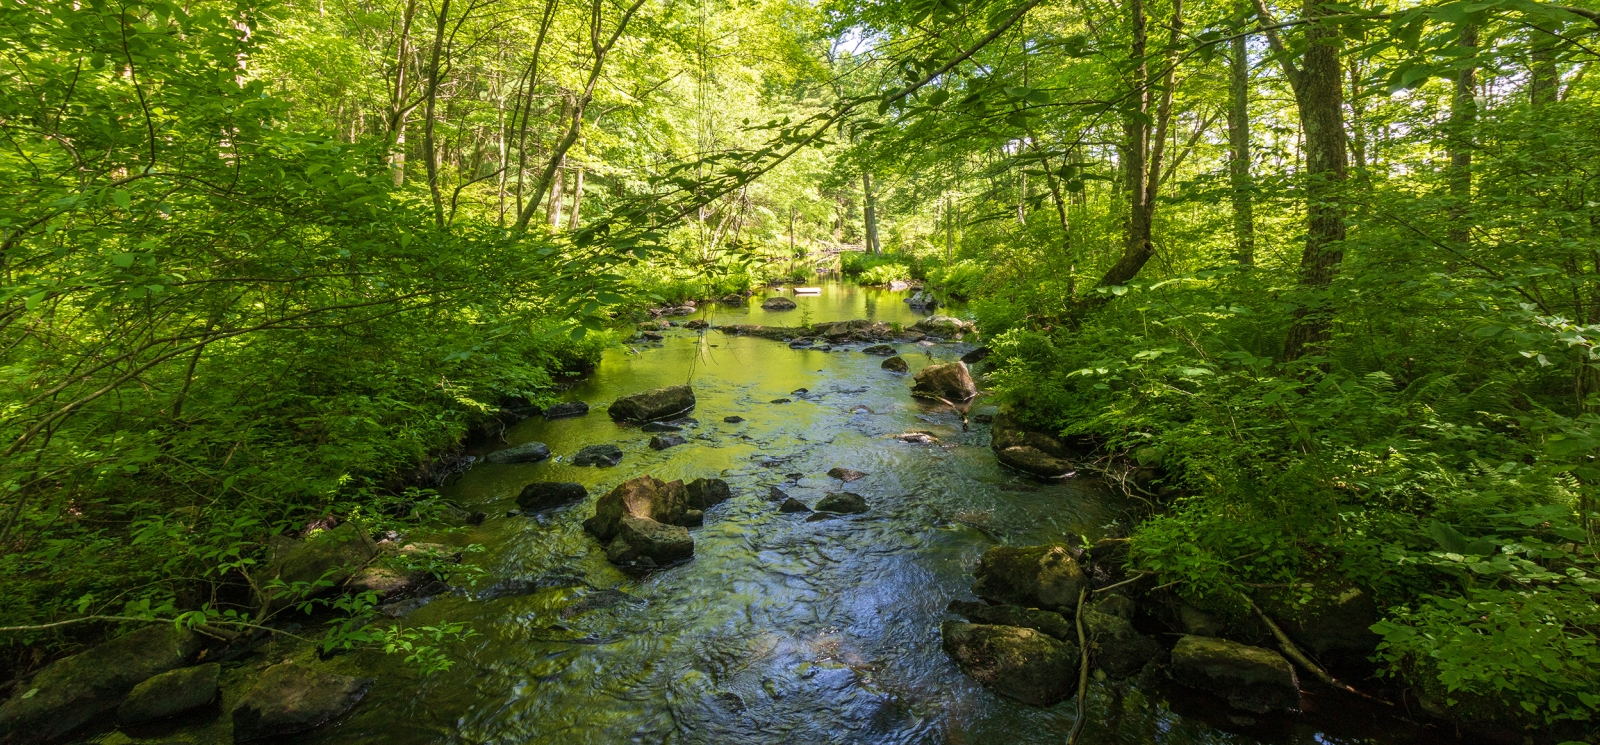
[779, 630]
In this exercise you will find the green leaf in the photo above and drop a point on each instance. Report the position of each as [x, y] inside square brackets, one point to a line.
[120, 196]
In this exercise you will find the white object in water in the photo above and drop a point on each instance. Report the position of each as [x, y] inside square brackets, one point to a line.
[808, 290]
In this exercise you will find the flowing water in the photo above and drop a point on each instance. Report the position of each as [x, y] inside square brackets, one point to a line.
[780, 630]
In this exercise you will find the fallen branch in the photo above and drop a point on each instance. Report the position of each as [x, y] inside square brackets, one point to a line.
[1083, 669]
[208, 629]
[1136, 578]
[1295, 654]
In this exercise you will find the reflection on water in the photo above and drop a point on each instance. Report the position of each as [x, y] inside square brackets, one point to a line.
[779, 630]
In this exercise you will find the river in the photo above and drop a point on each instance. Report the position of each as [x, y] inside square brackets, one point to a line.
[780, 630]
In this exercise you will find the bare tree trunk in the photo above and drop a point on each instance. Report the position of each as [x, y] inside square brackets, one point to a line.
[577, 201]
[1463, 116]
[531, 78]
[869, 213]
[1244, 228]
[1358, 122]
[429, 147]
[1319, 94]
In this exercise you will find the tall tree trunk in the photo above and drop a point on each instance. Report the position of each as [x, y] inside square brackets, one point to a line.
[1358, 122]
[553, 209]
[1544, 84]
[1244, 224]
[1318, 85]
[869, 213]
[558, 154]
[1141, 152]
[429, 147]
[395, 127]
[577, 201]
[1463, 116]
[531, 79]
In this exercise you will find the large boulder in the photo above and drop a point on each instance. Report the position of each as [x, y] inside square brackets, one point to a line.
[1033, 461]
[382, 582]
[641, 537]
[881, 350]
[541, 495]
[1250, 678]
[707, 493]
[314, 567]
[1016, 662]
[951, 382]
[777, 303]
[527, 452]
[1114, 645]
[169, 694]
[1050, 624]
[945, 326]
[646, 497]
[1031, 576]
[1008, 431]
[923, 300]
[88, 685]
[288, 698]
[658, 403]
[1333, 620]
[566, 409]
[896, 365]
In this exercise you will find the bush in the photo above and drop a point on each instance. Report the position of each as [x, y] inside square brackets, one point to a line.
[959, 280]
[883, 274]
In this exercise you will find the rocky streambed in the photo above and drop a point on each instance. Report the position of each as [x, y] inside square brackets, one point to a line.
[750, 530]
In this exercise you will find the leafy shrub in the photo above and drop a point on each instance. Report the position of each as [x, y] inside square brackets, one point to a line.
[960, 280]
[883, 274]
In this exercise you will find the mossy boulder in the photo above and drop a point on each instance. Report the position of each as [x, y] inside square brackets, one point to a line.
[1331, 619]
[945, 326]
[1114, 645]
[1049, 623]
[541, 495]
[657, 403]
[87, 686]
[896, 365]
[1015, 662]
[842, 502]
[289, 698]
[170, 694]
[1250, 678]
[707, 493]
[646, 497]
[777, 303]
[527, 452]
[1034, 462]
[951, 382]
[1044, 576]
[323, 561]
[640, 537]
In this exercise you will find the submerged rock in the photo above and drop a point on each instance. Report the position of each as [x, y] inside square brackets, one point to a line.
[650, 336]
[662, 442]
[640, 538]
[781, 400]
[777, 303]
[657, 403]
[896, 365]
[1114, 645]
[951, 382]
[776, 333]
[1046, 622]
[846, 474]
[975, 356]
[842, 502]
[882, 350]
[774, 494]
[527, 452]
[661, 427]
[74, 690]
[169, 694]
[1019, 663]
[288, 698]
[1250, 678]
[697, 324]
[735, 419]
[1032, 576]
[707, 493]
[566, 409]
[793, 505]
[544, 494]
[605, 456]
[329, 557]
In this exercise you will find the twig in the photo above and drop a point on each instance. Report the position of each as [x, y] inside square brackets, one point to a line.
[85, 619]
[1295, 654]
[1140, 576]
[1083, 669]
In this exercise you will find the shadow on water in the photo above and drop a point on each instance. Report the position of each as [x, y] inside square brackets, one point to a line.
[779, 630]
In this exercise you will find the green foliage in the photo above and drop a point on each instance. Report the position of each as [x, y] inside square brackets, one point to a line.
[883, 274]
[960, 280]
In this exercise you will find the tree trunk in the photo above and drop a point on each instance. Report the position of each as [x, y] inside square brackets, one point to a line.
[869, 213]
[395, 127]
[430, 149]
[553, 209]
[1544, 84]
[577, 201]
[1244, 228]
[1319, 94]
[1463, 116]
